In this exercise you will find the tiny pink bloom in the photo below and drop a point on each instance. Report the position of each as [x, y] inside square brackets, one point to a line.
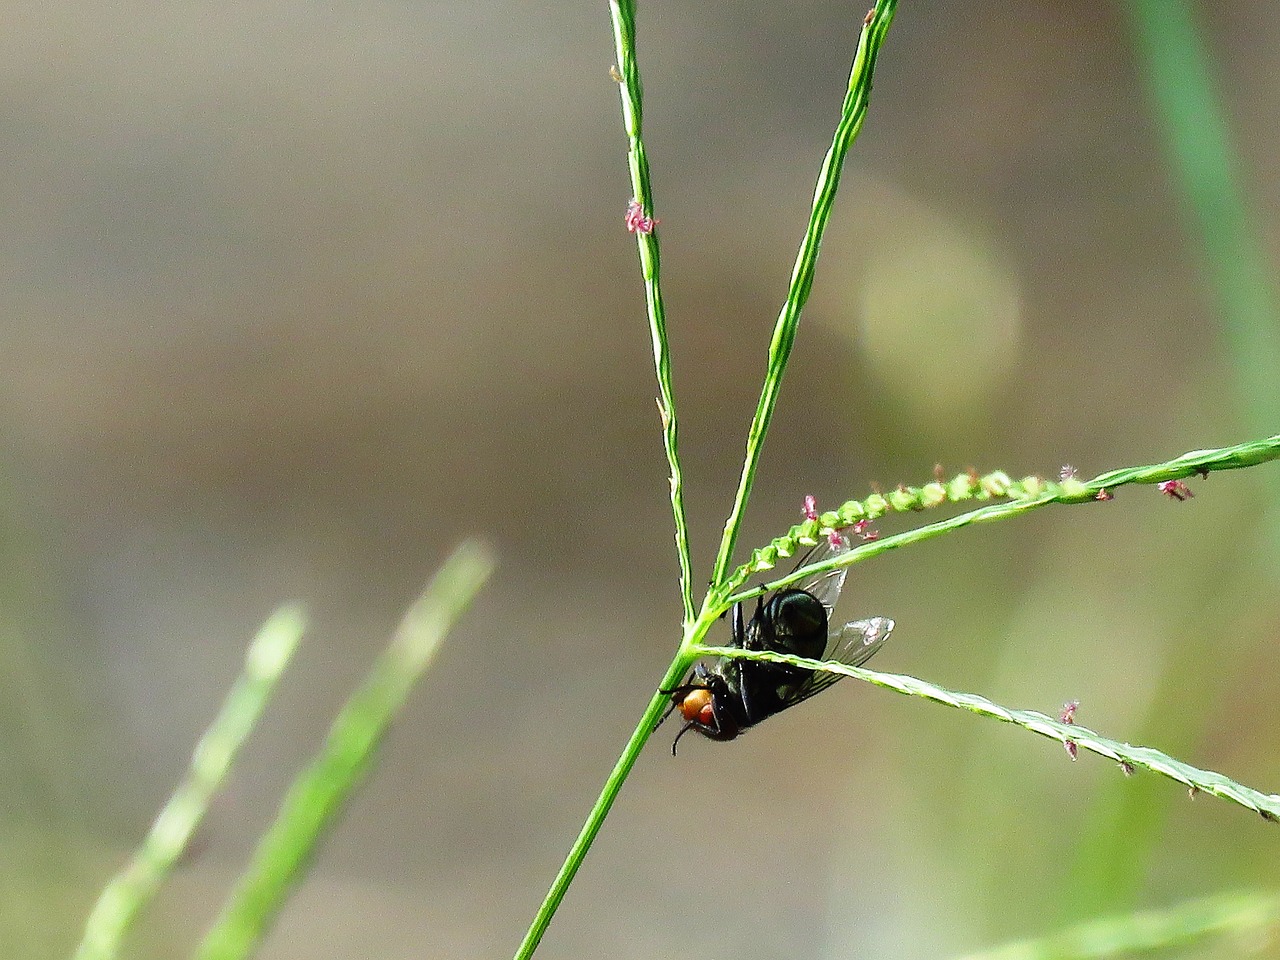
[1104, 495]
[810, 508]
[864, 532]
[636, 221]
[1175, 490]
[1068, 472]
[836, 539]
[1068, 715]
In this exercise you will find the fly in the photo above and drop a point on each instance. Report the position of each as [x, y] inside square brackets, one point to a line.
[732, 695]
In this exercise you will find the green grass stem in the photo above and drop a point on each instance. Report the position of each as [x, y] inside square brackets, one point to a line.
[1027, 494]
[595, 819]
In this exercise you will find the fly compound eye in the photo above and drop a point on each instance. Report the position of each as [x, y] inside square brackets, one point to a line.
[696, 706]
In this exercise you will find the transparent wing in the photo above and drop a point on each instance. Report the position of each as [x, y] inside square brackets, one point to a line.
[853, 644]
[825, 587]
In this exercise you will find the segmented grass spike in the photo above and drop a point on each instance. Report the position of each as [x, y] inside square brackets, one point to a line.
[901, 500]
[1125, 754]
[631, 90]
[853, 112]
[1030, 491]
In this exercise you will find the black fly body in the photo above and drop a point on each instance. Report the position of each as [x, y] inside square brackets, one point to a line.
[731, 695]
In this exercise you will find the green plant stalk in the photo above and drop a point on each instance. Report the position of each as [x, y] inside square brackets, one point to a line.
[131, 889]
[319, 792]
[631, 90]
[613, 785]
[853, 112]
[1206, 781]
[1232, 913]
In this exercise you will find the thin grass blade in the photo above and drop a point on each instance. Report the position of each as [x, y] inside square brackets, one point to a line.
[135, 885]
[318, 794]
[1247, 916]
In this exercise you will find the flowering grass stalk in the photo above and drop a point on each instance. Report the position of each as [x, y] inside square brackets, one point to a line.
[640, 214]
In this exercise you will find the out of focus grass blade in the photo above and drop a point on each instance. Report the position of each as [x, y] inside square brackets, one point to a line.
[1243, 915]
[136, 884]
[319, 792]
[1175, 64]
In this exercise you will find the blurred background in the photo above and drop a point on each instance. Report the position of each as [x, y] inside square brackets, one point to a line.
[298, 295]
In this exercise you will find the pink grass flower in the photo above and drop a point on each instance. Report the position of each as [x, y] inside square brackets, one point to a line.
[1175, 490]
[1068, 716]
[636, 221]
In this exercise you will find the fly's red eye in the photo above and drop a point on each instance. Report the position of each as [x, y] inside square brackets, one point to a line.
[696, 706]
